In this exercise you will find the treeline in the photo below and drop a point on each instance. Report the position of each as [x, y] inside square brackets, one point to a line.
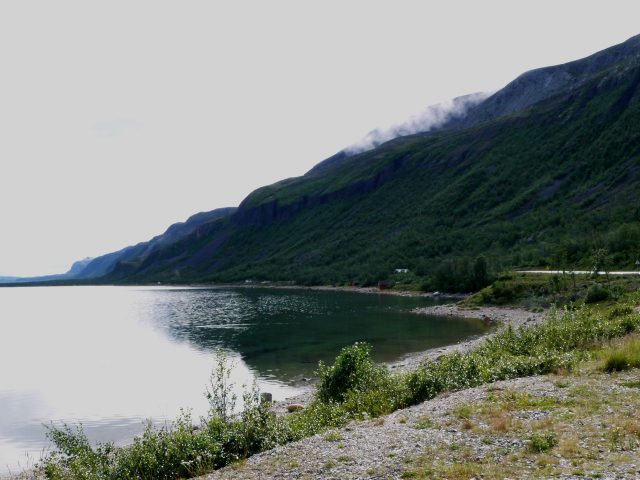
[460, 275]
[454, 269]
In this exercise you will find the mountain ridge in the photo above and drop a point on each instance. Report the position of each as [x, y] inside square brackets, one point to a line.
[276, 233]
[548, 164]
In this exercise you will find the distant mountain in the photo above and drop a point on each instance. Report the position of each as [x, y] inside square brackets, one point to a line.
[8, 279]
[79, 266]
[38, 279]
[105, 264]
[71, 274]
[542, 172]
[93, 268]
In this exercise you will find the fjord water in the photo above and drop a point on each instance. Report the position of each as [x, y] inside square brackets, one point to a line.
[111, 357]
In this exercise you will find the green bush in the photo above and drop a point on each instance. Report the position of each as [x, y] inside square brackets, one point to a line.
[352, 371]
[564, 338]
[542, 442]
[597, 293]
[74, 457]
[168, 453]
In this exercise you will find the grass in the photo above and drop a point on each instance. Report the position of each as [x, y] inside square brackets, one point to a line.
[424, 423]
[355, 388]
[622, 356]
[590, 430]
[333, 436]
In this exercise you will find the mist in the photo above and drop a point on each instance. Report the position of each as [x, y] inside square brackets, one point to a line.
[432, 117]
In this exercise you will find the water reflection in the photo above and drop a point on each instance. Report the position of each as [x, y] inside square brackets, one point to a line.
[282, 334]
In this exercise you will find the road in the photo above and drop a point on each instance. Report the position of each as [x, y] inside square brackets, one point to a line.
[580, 272]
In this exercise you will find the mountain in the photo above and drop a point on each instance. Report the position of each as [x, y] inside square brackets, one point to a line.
[104, 265]
[70, 275]
[542, 172]
[537, 85]
[79, 266]
[94, 268]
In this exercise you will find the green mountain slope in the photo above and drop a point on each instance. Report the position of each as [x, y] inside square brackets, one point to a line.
[526, 183]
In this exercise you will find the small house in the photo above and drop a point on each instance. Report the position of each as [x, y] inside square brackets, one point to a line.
[401, 270]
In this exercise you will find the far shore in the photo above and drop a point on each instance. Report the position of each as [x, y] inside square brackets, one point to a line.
[369, 290]
[284, 285]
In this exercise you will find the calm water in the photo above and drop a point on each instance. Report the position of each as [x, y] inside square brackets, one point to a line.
[111, 357]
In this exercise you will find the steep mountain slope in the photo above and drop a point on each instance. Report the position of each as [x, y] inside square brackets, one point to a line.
[546, 170]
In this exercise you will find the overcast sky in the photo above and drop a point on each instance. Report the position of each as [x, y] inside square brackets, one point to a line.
[118, 118]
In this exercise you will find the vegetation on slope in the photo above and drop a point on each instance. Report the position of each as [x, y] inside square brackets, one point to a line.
[539, 291]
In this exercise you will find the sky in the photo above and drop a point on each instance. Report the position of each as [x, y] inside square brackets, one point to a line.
[119, 118]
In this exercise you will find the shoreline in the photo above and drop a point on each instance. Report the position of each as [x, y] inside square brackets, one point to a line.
[499, 317]
[274, 285]
[352, 289]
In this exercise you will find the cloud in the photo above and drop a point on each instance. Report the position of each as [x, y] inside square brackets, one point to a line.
[432, 117]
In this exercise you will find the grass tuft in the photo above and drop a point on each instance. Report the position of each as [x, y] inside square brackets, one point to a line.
[623, 356]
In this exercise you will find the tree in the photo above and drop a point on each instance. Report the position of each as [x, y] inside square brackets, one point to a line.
[601, 263]
[480, 273]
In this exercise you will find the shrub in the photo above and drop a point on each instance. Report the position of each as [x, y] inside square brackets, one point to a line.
[542, 442]
[352, 371]
[597, 293]
[556, 344]
[180, 450]
[74, 458]
[168, 453]
[219, 392]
